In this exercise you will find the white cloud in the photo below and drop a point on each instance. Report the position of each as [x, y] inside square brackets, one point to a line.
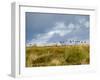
[41, 38]
[59, 25]
[59, 28]
[71, 26]
[82, 20]
[86, 24]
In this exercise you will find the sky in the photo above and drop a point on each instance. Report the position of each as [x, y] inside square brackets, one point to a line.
[51, 27]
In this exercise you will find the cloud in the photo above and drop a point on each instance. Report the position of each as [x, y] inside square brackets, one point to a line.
[71, 26]
[61, 29]
[41, 38]
[56, 33]
[84, 22]
[45, 28]
[81, 20]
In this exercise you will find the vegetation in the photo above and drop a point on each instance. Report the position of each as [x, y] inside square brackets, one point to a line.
[57, 55]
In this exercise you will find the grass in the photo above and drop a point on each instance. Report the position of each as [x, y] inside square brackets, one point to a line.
[57, 55]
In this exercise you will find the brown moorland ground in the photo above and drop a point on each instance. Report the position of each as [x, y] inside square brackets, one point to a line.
[57, 55]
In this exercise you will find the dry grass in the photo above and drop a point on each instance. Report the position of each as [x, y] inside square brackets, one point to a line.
[57, 55]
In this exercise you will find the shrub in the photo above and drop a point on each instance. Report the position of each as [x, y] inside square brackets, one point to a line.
[74, 55]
